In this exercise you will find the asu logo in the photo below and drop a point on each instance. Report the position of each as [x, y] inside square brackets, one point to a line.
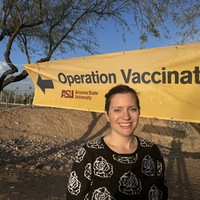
[67, 94]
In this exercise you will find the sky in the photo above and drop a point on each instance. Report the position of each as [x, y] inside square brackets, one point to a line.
[109, 41]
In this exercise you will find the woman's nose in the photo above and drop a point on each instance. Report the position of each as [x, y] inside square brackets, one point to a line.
[126, 114]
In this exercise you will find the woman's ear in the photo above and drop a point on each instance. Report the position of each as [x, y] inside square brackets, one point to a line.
[107, 117]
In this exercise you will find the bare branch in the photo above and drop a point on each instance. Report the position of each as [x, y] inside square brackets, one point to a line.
[12, 79]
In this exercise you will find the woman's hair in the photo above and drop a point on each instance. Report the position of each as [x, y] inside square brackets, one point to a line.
[120, 89]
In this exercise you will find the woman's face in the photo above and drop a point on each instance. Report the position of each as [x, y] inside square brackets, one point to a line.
[123, 114]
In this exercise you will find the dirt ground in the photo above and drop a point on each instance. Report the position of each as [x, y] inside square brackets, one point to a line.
[178, 141]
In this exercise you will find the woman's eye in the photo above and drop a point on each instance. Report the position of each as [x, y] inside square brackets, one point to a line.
[117, 110]
[133, 109]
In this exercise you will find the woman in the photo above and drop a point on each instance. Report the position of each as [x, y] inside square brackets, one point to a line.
[120, 165]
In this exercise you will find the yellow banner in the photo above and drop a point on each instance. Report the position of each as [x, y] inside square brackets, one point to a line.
[166, 79]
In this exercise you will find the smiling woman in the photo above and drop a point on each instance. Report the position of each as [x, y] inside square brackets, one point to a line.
[119, 165]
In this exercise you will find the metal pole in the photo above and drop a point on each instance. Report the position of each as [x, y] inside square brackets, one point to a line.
[6, 101]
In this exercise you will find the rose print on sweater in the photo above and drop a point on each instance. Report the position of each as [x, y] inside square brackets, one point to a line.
[148, 166]
[88, 171]
[159, 168]
[125, 159]
[129, 184]
[145, 143]
[155, 193]
[74, 184]
[102, 168]
[80, 155]
[102, 194]
[86, 197]
[95, 144]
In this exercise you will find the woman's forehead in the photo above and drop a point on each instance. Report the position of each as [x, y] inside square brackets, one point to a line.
[126, 97]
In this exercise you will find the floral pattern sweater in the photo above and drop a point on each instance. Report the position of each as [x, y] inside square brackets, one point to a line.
[99, 173]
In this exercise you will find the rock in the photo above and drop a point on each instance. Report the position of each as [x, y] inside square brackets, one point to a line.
[39, 166]
[61, 168]
[32, 167]
[18, 166]
[47, 168]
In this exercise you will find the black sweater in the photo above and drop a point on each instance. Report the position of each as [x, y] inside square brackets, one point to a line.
[99, 173]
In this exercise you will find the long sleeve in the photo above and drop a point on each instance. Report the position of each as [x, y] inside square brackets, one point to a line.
[160, 172]
[159, 187]
[80, 177]
[153, 171]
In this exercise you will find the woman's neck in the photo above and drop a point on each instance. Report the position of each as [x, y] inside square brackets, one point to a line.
[120, 144]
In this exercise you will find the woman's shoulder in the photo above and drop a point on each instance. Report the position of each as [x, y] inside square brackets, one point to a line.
[148, 146]
[145, 143]
[88, 149]
[96, 143]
